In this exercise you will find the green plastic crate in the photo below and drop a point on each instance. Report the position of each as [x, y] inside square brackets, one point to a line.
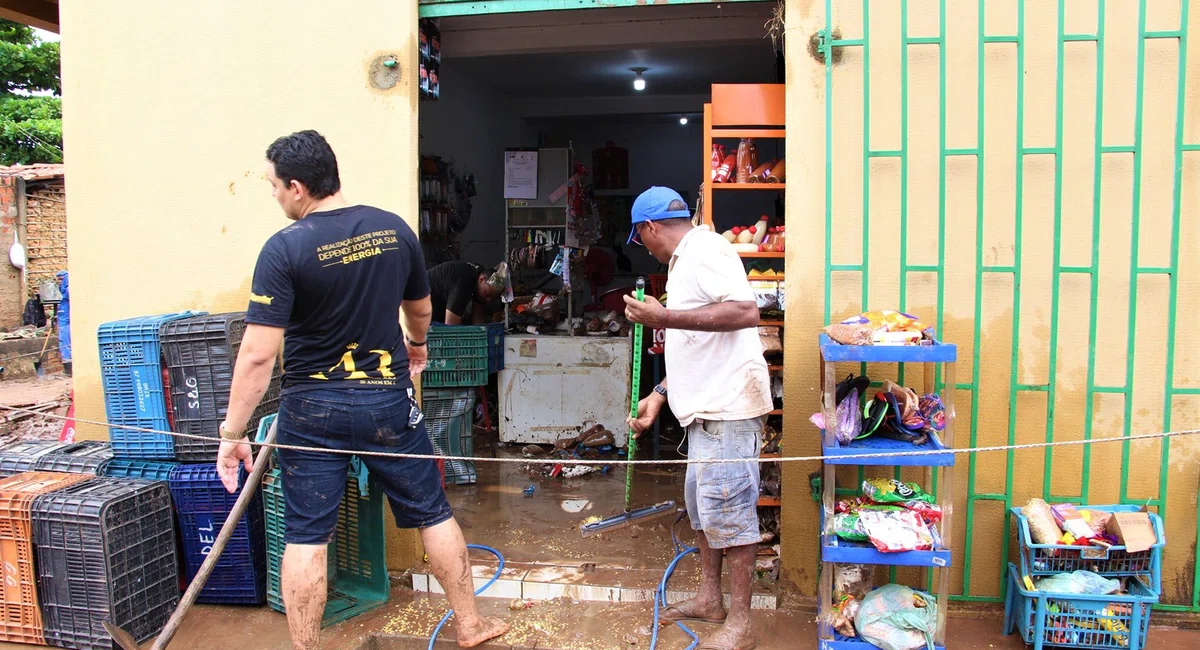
[357, 562]
[458, 357]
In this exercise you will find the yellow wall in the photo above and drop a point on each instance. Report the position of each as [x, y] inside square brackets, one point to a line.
[806, 196]
[168, 109]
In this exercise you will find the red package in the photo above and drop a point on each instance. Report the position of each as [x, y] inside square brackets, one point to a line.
[726, 169]
[930, 512]
[718, 156]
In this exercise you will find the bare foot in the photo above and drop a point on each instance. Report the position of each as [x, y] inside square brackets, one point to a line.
[487, 629]
[733, 635]
[693, 609]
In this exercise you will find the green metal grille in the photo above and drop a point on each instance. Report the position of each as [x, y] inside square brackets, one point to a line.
[1134, 152]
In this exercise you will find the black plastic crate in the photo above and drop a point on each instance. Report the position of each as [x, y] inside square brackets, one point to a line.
[84, 457]
[105, 552]
[23, 456]
[203, 504]
[200, 353]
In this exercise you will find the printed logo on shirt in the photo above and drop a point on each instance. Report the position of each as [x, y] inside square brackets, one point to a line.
[350, 368]
[262, 300]
[360, 247]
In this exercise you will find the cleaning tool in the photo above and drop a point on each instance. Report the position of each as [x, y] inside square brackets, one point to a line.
[630, 515]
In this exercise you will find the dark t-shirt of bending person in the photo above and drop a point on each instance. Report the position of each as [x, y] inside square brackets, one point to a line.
[452, 286]
[335, 281]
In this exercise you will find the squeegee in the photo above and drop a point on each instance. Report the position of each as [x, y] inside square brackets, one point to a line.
[630, 515]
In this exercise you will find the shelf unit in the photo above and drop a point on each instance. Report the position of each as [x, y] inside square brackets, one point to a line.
[745, 111]
[524, 218]
[882, 452]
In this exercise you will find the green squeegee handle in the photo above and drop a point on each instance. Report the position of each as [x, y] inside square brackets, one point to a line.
[631, 443]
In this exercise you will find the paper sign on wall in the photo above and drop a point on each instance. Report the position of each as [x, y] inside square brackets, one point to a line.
[520, 174]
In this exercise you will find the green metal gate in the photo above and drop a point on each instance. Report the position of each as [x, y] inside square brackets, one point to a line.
[1023, 386]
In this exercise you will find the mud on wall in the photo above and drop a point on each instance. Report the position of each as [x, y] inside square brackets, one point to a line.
[1029, 331]
[204, 208]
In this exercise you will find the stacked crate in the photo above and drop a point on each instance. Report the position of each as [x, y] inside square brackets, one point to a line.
[105, 552]
[200, 354]
[461, 357]
[22, 617]
[1064, 620]
[131, 371]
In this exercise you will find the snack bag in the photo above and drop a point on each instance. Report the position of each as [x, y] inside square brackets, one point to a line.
[889, 491]
[848, 526]
[895, 532]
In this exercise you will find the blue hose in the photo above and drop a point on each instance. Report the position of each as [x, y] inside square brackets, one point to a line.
[660, 600]
[437, 630]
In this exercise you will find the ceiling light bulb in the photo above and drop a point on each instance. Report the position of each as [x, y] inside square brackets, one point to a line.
[683, 120]
[639, 83]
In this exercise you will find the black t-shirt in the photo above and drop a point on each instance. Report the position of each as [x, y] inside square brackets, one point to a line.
[335, 280]
[452, 286]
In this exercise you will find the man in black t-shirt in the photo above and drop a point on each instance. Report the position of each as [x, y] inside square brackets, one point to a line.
[334, 288]
[461, 290]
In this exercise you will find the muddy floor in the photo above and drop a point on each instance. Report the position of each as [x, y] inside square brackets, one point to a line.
[544, 526]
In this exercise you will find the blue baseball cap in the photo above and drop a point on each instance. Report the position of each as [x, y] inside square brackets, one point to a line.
[653, 205]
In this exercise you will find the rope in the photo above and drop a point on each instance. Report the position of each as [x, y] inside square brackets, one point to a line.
[673, 461]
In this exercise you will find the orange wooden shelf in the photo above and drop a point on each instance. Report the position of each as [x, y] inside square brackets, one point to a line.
[748, 133]
[750, 186]
[769, 502]
[774, 455]
[775, 256]
[776, 412]
[770, 323]
[778, 277]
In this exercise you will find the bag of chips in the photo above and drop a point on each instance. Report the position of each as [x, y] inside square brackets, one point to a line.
[895, 532]
[891, 491]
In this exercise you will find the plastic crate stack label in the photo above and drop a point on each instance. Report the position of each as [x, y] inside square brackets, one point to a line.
[356, 561]
[106, 552]
[134, 396]
[22, 616]
[200, 353]
[203, 504]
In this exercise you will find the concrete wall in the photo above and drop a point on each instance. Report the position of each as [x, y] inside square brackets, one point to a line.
[1145, 376]
[226, 78]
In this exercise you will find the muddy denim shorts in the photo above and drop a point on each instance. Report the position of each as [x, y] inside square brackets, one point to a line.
[722, 498]
[354, 419]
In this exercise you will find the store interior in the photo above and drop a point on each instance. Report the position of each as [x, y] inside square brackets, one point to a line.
[562, 84]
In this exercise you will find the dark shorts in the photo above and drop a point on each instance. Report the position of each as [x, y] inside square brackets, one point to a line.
[361, 420]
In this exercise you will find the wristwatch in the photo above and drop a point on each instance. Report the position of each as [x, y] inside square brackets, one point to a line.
[231, 436]
[415, 344]
[660, 390]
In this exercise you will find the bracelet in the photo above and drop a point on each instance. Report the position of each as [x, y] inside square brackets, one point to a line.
[415, 344]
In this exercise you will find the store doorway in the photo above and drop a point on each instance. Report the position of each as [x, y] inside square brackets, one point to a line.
[615, 99]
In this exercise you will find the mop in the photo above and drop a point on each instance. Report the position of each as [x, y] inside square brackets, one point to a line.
[630, 515]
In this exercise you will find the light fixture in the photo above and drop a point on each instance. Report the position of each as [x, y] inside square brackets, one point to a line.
[683, 120]
[638, 82]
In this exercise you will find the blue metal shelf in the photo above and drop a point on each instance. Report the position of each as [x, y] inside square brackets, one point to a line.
[843, 552]
[843, 643]
[939, 352]
[882, 452]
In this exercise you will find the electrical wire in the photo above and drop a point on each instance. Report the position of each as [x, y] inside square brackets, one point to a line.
[480, 547]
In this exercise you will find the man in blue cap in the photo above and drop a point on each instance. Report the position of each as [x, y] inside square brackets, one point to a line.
[720, 391]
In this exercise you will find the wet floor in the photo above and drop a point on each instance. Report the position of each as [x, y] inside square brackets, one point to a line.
[407, 620]
[544, 526]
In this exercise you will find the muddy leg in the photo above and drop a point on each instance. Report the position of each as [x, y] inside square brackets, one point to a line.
[303, 585]
[708, 605]
[448, 558]
[736, 632]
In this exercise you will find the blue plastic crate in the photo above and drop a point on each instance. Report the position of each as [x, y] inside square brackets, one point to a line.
[149, 470]
[131, 369]
[495, 339]
[1046, 619]
[1114, 562]
[202, 505]
[939, 352]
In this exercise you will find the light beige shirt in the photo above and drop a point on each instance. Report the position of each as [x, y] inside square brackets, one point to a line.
[713, 375]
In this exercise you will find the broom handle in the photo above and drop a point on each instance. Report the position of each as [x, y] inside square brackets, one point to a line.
[630, 441]
[210, 561]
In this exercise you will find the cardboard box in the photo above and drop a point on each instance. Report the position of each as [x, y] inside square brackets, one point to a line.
[1133, 530]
